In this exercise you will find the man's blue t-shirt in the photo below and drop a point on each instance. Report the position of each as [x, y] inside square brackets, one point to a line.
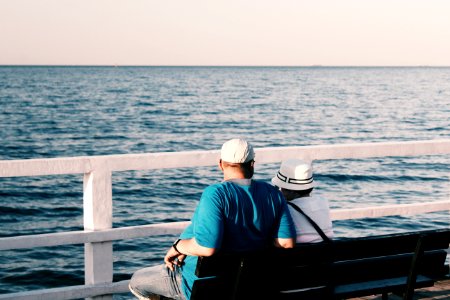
[235, 217]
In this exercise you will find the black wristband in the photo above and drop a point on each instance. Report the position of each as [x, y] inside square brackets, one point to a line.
[175, 245]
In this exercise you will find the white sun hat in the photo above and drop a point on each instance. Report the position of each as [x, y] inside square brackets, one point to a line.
[294, 174]
[237, 151]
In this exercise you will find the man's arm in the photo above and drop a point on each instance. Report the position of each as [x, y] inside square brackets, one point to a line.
[286, 234]
[176, 255]
[191, 247]
[284, 243]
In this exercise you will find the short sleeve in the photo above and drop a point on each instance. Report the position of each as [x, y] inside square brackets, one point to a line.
[188, 232]
[208, 223]
[286, 227]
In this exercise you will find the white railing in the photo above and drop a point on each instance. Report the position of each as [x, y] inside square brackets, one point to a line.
[97, 202]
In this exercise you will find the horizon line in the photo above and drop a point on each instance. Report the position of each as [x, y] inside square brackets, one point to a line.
[227, 66]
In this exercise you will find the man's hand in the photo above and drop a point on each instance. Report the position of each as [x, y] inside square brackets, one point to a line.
[173, 257]
[188, 247]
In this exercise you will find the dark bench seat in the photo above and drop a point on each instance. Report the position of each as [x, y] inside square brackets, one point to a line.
[346, 268]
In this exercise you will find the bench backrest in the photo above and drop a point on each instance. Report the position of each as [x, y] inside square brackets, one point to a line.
[323, 270]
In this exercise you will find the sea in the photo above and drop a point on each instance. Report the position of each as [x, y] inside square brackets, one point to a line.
[67, 111]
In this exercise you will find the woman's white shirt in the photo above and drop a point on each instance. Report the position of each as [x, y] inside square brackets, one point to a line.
[317, 208]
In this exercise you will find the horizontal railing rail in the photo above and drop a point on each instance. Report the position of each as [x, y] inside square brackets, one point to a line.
[165, 160]
[97, 201]
[71, 292]
[131, 232]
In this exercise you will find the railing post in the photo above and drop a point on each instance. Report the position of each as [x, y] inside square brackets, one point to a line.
[97, 205]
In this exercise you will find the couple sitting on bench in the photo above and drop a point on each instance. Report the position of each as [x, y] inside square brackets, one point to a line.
[240, 215]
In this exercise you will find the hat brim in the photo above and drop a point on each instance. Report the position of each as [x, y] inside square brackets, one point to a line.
[289, 186]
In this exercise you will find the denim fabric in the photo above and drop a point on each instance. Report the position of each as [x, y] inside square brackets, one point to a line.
[157, 280]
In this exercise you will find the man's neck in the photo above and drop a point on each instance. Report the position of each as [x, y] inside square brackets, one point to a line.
[230, 175]
[240, 181]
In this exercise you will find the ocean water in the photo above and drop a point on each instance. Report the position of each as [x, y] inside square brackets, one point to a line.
[75, 111]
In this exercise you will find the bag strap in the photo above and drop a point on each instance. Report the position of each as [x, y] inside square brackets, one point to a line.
[316, 227]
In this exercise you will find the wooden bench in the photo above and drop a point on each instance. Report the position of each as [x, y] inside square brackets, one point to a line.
[345, 268]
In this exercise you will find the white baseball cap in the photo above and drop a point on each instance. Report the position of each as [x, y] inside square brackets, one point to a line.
[237, 151]
[294, 174]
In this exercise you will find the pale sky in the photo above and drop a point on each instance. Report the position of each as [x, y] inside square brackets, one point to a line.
[225, 32]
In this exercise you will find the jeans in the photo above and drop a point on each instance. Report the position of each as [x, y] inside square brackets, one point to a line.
[157, 280]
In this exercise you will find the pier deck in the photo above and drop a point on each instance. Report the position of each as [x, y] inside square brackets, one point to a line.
[440, 290]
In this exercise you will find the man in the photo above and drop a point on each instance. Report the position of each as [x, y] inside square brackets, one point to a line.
[238, 214]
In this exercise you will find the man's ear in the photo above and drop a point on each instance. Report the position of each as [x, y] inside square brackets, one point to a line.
[220, 164]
